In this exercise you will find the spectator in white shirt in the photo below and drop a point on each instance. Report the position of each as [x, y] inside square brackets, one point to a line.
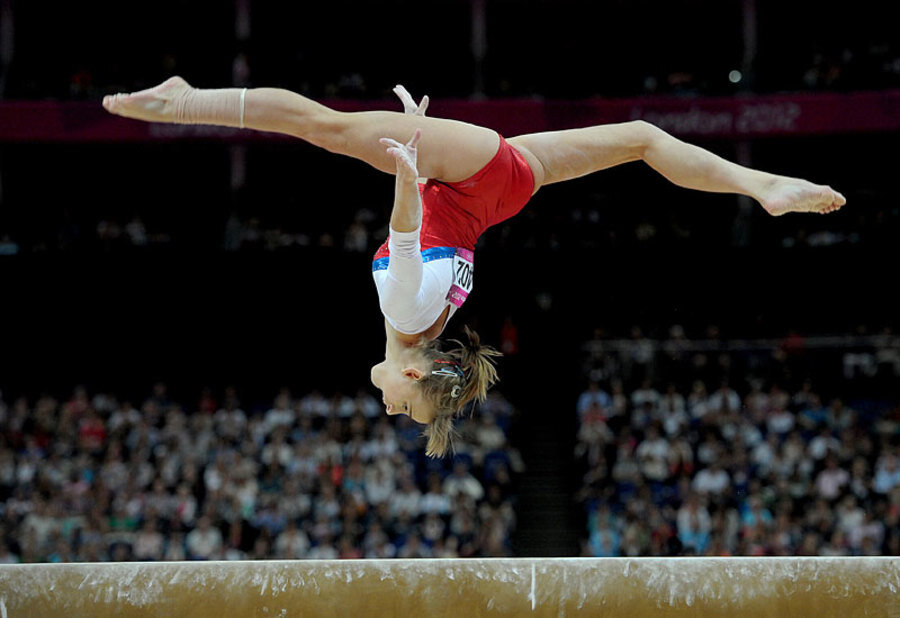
[292, 543]
[461, 481]
[724, 399]
[435, 500]
[281, 414]
[653, 455]
[205, 541]
[712, 481]
[831, 481]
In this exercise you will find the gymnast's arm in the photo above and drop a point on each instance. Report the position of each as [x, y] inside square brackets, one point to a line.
[399, 294]
[406, 215]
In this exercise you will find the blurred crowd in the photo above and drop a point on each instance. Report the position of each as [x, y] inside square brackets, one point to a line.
[93, 477]
[719, 458]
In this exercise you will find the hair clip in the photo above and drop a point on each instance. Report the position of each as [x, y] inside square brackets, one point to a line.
[449, 372]
[451, 368]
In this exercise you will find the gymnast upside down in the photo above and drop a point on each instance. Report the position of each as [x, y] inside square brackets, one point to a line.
[476, 179]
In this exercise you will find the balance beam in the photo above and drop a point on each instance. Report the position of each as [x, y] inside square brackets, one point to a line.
[759, 587]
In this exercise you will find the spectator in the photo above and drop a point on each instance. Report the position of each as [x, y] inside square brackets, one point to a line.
[841, 415]
[711, 448]
[635, 537]
[713, 481]
[737, 429]
[594, 401]
[673, 412]
[860, 479]
[175, 547]
[724, 399]
[281, 414]
[780, 421]
[433, 529]
[805, 397]
[653, 455]
[832, 480]
[205, 541]
[619, 400]
[185, 506]
[407, 499]
[292, 543]
[414, 548]
[755, 515]
[91, 431]
[887, 473]
[277, 451]
[605, 540]
[698, 400]
[367, 405]
[462, 481]
[866, 536]
[793, 452]
[764, 455]
[324, 550]
[626, 472]
[447, 548]
[835, 544]
[693, 524]
[149, 543]
[813, 414]
[488, 435]
[647, 395]
[823, 444]
[379, 485]
[681, 458]
[314, 405]
[756, 402]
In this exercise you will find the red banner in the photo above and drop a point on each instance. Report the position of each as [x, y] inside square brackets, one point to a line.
[726, 117]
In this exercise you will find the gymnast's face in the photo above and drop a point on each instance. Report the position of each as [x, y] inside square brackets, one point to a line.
[400, 391]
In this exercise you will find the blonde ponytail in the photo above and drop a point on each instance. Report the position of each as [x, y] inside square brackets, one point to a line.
[463, 375]
[478, 365]
[440, 434]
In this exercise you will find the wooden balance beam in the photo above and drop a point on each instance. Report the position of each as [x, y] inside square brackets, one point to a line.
[759, 587]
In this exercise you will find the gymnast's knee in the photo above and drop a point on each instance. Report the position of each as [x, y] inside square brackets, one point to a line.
[326, 128]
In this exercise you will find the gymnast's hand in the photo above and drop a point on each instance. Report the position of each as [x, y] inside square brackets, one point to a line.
[409, 104]
[404, 155]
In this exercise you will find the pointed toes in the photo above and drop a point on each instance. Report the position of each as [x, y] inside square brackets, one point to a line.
[111, 103]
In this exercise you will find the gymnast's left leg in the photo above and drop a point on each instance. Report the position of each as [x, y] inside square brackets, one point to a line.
[556, 156]
[451, 150]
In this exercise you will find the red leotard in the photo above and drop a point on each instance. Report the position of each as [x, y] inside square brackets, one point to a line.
[455, 214]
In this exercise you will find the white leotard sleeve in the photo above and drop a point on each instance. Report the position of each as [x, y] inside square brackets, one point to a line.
[411, 295]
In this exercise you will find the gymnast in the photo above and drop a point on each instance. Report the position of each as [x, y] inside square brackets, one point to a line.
[476, 179]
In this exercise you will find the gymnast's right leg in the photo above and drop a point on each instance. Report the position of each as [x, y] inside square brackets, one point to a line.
[556, 156]
[451, 151]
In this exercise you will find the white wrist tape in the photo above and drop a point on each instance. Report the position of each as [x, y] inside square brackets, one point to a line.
[243, 96]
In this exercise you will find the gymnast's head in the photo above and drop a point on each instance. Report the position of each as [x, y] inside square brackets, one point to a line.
[433, 387]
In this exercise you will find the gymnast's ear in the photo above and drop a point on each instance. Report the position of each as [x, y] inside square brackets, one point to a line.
[413, 374]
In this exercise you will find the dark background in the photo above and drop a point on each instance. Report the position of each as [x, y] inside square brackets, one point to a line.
[76, 309]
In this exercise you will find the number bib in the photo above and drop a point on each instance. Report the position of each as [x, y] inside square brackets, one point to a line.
[463, 272]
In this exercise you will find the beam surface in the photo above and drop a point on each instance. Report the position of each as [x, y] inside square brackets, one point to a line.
[819, 587]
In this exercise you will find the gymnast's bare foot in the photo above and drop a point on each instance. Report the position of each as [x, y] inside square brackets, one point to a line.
[162, 103]
[785, 195]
